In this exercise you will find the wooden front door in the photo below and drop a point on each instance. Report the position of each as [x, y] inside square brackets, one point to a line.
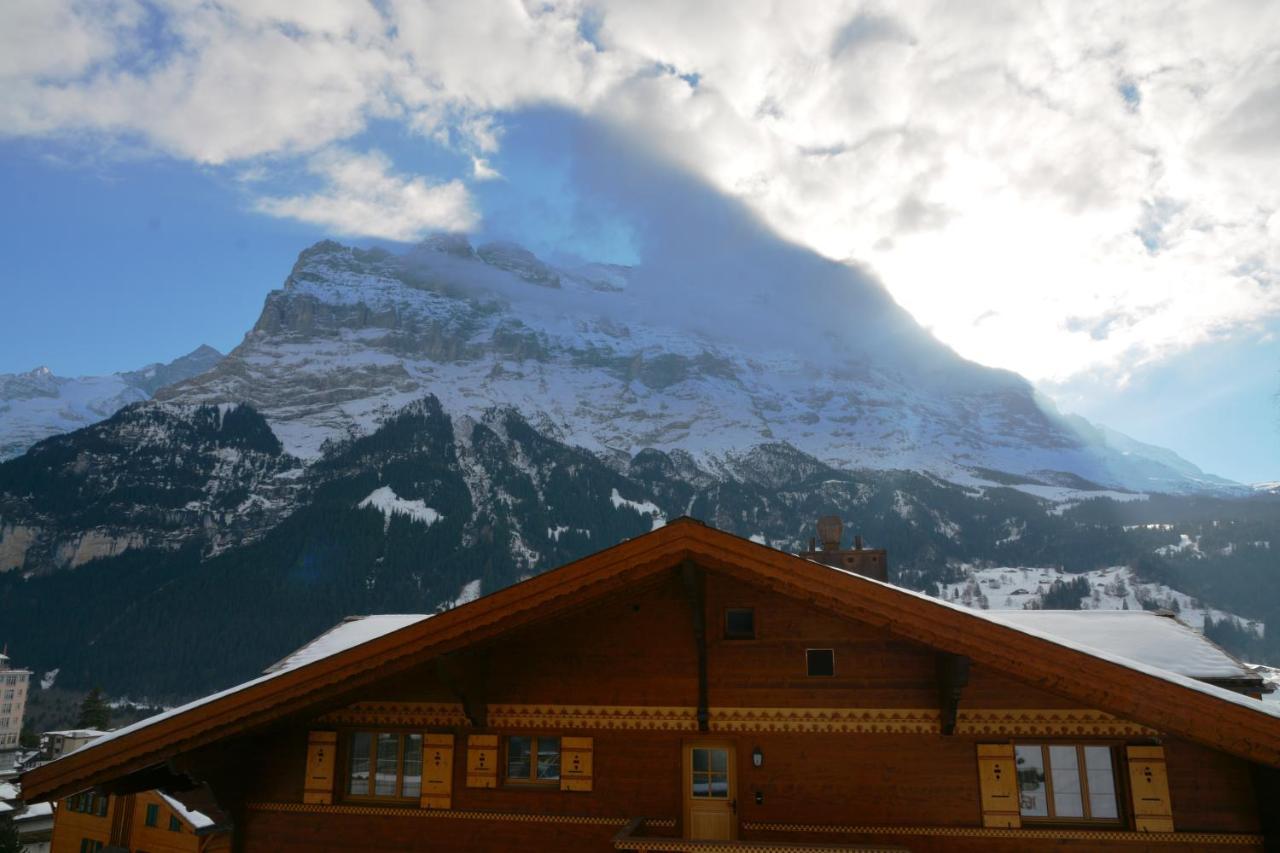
[710, 790]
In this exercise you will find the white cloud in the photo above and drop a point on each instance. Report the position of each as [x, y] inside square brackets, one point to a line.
[1055, 188]
[362, 197]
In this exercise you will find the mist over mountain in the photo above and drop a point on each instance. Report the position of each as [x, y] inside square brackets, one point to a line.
[722, 336]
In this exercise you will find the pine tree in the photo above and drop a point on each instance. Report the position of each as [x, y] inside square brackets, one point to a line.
[94, 713]
[9, 840]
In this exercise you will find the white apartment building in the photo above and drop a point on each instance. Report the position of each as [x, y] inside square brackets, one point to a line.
[13, 702]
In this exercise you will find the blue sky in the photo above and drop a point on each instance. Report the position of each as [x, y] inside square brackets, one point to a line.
[1091, 200]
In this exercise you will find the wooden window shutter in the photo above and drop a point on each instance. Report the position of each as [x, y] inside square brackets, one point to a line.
[998, 783]
[322, 749]
[575, 763]
[482, 761]
[1149, 781]
[437, 771]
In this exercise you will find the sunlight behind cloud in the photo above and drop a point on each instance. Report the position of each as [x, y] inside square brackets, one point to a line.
[1055, 188]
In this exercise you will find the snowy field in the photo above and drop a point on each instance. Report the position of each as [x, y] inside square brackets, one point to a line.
[1115, 588]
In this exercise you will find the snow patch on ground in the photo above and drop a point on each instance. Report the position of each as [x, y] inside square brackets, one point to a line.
[47, 680]
[385, 500]
[648, 508]
[1185, 543]
[470, 592]
[554, 533]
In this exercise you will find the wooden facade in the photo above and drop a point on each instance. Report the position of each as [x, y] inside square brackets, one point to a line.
[616, 704]
[144, 822]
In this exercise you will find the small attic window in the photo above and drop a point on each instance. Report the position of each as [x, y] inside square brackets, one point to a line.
[740, 623]
[821, 663]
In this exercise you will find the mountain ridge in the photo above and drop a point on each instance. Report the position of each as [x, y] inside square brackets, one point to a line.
[38, 404]
[354, 334]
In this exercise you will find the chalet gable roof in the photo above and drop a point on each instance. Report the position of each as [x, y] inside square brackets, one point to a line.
[363, 651]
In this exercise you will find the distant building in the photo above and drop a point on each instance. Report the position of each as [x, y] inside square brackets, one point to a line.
[34, 823]
[57, 744]
[13, 704]
[149, 821]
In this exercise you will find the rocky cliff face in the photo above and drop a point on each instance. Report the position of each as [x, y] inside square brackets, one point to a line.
[151, 476]
[590, 359]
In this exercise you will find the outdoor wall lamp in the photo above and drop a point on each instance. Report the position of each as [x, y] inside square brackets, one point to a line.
[757, 757]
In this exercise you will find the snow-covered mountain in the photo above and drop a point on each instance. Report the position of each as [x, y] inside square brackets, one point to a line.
[617, 359]
[38, 404]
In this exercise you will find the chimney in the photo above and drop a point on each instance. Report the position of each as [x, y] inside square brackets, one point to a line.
[829, 530]
[868, 562]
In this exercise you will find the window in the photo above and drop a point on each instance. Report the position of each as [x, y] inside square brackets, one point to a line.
[174, 824]
[153, 814]
[739, 623]
[820, 662]
[101, 810]
[710, 772]
[384, 764]
[533, 759]
[88, 845]
[1066, 782]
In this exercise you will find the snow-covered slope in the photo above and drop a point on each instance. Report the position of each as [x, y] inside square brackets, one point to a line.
[618, 359]
[38, 404]
[1115, 588]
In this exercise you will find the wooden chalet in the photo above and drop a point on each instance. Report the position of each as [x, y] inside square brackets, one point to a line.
[691, 690]
[147, 822]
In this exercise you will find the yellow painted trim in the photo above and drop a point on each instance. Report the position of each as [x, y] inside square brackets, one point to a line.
[400, 811]
[826, 720]
[1015, 834]
[1000, 722]
[628, 717]
[397, 714]
[1023, 722]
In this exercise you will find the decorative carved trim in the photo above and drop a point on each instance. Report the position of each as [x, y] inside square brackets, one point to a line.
[1019, 722]
[401, 811]
[1226, 838]
[827, 720]
[1022, 722]
[655, 718]
[397, 714]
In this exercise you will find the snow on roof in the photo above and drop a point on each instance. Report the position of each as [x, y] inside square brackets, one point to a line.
[1159, 641]
[34, 811]
[78, 733]
[5, 808]
[346, 634]
[199, 820]
[354, 631]
[9, 791]
[1269, 709]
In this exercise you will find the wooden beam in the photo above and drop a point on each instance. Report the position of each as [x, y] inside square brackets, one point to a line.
[468, 688]
[695, 590]
[953, 677]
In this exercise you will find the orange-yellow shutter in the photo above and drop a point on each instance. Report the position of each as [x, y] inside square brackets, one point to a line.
[575, 763]
[437, 771]
[998, 784]
[1149, 781]
[482, 761]
[322, 748]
